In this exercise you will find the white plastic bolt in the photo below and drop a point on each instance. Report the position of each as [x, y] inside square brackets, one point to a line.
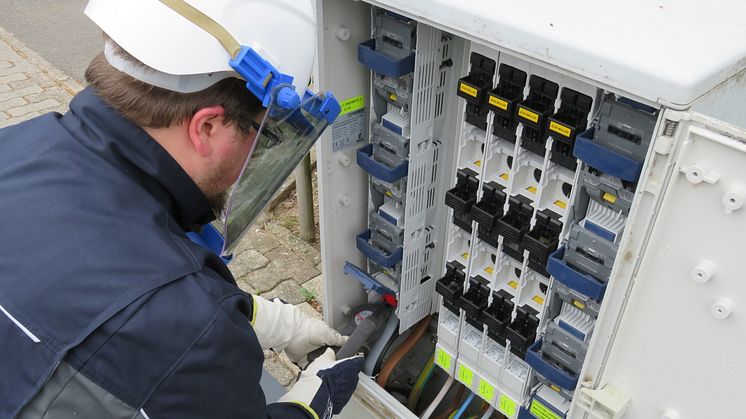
[670, 414]
[732, 201]
[704, 271]
[344, 159]
[695, 174]
[345, 199]
[342, 33]
[721, 309]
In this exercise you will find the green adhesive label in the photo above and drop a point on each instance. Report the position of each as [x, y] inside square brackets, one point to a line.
[443, 359]
[353, 104]
[507, 406]
[542, 412]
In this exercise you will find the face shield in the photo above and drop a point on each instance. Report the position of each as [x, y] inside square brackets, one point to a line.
[290, 127]
[287, 133]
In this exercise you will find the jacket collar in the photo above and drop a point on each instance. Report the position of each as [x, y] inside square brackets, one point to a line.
[112, 136]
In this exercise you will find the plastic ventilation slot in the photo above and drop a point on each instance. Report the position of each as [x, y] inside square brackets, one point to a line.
[604, 221]
[575, 322]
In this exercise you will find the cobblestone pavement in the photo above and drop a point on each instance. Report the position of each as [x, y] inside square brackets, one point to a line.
[269, 261]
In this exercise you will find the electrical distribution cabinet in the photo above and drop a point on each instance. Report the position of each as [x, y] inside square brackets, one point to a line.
[552, 191]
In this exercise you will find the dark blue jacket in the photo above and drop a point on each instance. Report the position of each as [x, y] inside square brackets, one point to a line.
[106, 308]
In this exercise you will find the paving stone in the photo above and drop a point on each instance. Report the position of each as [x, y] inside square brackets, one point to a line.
[33, 107]
[283, 265]
[293, 369]
[13, 103]
[298, 246]
[16, 93]
[245, 286]
[288, 291]
[258, 239]
[277, 368]
[13, 77]
[246, 262]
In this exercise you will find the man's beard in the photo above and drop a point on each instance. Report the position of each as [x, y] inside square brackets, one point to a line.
[217, 202]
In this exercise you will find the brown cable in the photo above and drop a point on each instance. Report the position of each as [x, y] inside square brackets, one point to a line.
[403, 349]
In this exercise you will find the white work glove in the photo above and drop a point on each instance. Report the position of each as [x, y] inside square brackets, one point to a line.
[280, 326]
[326, 386]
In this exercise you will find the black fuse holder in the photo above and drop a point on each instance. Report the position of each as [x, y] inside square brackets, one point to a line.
[570, 119]
[534, 111]
[522, 331]
[474, 300]
[497, 315]
[462, 197]
[542, 240]
[488, 210]
[451, 285]
[503, 99]
[514, 225]
[473, 87]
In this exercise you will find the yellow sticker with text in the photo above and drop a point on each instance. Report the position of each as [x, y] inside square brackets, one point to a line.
[498, 103]
[443, 359]
[465, 374]
[525, 113]
[507, 406]
[485, 390]
[560, 129]
[465, 88]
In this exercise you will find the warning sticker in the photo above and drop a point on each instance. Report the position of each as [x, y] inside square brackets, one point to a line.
[350, 128]
[542, 412]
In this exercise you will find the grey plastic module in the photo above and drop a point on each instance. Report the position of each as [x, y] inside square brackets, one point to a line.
[581, 302]
[624, 128]
[604, 189]
[388, 147]
[395, 37]
[393, 90]
[563, 348]
[590, 253]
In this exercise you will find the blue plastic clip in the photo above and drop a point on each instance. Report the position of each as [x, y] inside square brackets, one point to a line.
[580, 282]
[261, 77]
[555, 375]
[380, 170]
[604, 159]
[383, 64]
[377, 256]
[328, 108]
[369, 283]
[211, 239]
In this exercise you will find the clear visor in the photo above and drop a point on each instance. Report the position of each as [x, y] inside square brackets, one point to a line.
[286, 135]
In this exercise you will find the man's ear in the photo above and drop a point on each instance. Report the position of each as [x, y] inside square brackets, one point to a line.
[203, 128]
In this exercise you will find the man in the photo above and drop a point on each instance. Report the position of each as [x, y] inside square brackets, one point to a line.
[107, 309]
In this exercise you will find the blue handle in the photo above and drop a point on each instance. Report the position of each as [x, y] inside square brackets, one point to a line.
[555, 375]
[380, 170]
[375, 255]
[211, 239]
[369, 283]
[383, 64]
[604, 159]
[580, 282]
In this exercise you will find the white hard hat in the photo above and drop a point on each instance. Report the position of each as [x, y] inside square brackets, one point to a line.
[282, 32]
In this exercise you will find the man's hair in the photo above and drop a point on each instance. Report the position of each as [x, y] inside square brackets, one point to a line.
[154, 107]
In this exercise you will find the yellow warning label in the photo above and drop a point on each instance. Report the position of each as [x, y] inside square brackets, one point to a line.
[560, 203]
[578, 304]
[498, 103]
[465, 255]
[478, 163]
[489, 270]
[353, 104]
[538, 300]
[465, 374]
[443, 359]
[559, 129]
[507, 405]
[393, 97]
[513, 284]
[542, 412]
[609, 197]
[504, 176]
[525, 113]
[486, 390]
[531, 189]
[465, 88]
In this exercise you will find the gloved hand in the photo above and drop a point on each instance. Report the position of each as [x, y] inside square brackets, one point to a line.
[326, 385]
[280, 326]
